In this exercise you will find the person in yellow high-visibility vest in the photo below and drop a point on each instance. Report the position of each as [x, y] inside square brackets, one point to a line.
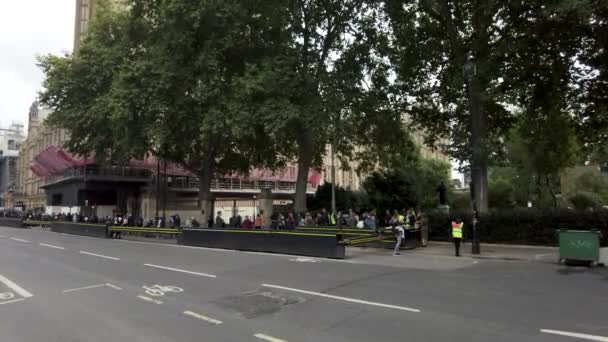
[457, 227]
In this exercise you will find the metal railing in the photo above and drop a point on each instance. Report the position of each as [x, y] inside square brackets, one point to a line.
[235, 184]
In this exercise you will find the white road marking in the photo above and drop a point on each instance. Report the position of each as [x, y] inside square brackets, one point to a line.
[47, 245]
[83, 288]
[183, 271]
[12, 301]
[6, 295]
[202, 317]
[20, 290]
[2, 236]
[268, 338]
[20, 240]
[99, 255]
[113, 286]
[303, 259]
[346, 299]
[540, 256]
[576, 335]
[155, 301]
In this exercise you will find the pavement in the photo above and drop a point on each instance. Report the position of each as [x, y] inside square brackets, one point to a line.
[57, 287]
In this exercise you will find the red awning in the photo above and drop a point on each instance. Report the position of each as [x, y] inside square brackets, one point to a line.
[54, 160]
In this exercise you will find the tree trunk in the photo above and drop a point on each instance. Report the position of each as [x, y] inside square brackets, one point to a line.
[205, 198]
[553, 195]
[479, 162]
[305, 152]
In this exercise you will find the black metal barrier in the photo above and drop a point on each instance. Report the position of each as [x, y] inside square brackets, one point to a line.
[36, 223]
[170, 233]
[307, 244]
[85, 229]
[11, 222]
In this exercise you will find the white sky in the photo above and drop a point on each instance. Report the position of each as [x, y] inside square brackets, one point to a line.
[29, 28]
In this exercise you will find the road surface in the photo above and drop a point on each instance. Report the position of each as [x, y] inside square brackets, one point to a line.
[64, 288]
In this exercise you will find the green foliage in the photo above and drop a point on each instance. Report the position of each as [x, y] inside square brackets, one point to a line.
[330, 84]
[345, 199]
[583, 200]
[411, 185]
[80, 90]
[522, 226]
[593, 182]
[460, 200]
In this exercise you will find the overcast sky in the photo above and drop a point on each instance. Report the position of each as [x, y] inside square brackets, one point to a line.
[29, 28]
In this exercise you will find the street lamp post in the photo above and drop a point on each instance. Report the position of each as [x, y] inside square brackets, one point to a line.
[333, 179]
[478, 185]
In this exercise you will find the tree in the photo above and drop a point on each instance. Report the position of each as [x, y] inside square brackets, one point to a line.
[345, 199]
[523, 51]
[199, 55]
[169, 78]
[80, 90]
[411, 185]
[333, 87]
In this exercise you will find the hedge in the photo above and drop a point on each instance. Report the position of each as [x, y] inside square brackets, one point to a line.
[522, 226]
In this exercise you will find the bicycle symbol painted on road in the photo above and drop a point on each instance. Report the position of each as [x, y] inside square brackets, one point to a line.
[6, 295]
[159, 290]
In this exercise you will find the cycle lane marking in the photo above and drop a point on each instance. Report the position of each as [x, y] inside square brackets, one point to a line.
[575, 335]
[268, 338]
[202, 317]
[148, 299]
[16, 288]
[83, 288]
[180, 270]
[345, 299]
[92, 287]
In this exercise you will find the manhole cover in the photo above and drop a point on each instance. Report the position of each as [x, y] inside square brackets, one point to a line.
[257, 303]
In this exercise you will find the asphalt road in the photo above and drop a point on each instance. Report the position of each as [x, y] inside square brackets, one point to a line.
[64, 288]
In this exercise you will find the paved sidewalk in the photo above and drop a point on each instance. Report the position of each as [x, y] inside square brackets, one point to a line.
[494, 251]
[440, 255]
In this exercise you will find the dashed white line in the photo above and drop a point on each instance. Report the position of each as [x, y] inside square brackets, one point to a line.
[83, 288]
[268, 338]
[346, 299]
[202, 317]
[52, 246]
[20, 290]
[2, 236]
[20, 240]
[99, 255]
[148, 299]
[575, 335]
[113, 286]
[180, 270]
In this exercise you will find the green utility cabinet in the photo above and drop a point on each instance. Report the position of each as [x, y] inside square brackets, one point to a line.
[579, 245]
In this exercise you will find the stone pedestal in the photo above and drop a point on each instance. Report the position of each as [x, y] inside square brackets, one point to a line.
[444, 209]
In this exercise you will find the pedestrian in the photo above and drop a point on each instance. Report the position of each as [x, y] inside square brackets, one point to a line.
[457, 226]
[258, 221]
[399, 234]
[219, 221]
[247, 223]
[291, 222]
[387, 218]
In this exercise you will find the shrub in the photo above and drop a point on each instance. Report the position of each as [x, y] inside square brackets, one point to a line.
[521, 226]
[583, 200]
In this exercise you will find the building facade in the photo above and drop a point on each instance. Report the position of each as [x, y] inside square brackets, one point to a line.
[27, 193]
[85, 11]
[10, 141]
